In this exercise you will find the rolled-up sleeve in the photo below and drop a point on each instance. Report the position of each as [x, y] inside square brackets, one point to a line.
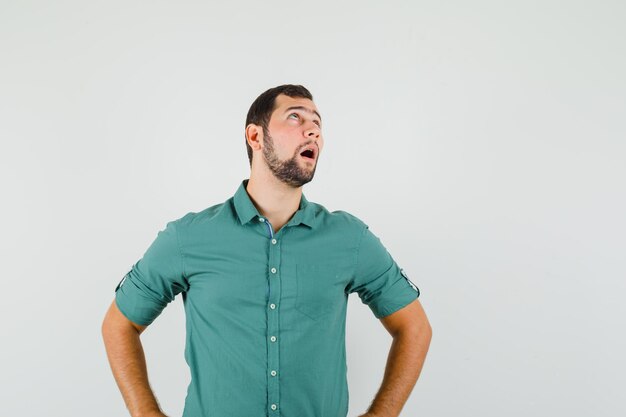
[380, 283]
[154, 280]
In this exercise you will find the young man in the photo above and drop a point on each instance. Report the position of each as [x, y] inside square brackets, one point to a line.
[265, 278]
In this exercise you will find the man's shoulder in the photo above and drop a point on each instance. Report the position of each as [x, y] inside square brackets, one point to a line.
[338, 217]
[206, 215]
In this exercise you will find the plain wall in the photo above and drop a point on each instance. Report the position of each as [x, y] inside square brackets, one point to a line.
[483, 142]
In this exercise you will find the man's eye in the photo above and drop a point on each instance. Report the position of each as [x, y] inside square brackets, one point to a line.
[294, 114]
[318, 124]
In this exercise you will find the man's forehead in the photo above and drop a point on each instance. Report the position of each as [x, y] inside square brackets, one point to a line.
[284, 102]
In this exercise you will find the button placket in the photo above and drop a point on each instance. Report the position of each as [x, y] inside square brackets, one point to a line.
[274, 283]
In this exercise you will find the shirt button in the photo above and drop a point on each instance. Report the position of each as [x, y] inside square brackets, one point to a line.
[273, 270]
[273, 338]
[274, 406]
[272, 306]
[261, 219]
[273, 373]
[273, 241]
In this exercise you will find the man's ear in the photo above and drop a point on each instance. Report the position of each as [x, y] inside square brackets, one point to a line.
[254, 136]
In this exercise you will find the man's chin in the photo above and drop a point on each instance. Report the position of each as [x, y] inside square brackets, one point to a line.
[301, 181]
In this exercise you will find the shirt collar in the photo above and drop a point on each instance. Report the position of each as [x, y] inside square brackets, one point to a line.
[246, 210]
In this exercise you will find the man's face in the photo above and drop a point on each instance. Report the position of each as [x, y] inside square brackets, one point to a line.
[294, 126]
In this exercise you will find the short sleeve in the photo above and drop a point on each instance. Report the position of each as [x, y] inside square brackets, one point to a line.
[154, 280]
[380, 283]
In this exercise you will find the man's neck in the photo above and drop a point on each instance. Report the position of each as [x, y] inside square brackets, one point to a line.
[274, 199]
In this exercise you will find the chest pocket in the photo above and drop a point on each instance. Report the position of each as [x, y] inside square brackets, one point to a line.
[316, 290]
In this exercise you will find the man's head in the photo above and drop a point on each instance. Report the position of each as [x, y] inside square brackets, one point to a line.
[281, 123]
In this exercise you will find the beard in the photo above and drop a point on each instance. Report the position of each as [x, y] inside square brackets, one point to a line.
[288, 171]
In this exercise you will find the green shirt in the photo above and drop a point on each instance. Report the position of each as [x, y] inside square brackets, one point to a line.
[265, 311]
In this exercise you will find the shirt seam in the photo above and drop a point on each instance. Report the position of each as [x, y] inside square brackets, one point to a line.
[180, 253]
[358, 250]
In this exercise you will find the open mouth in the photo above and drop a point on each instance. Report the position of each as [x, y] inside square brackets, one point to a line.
[308, 154]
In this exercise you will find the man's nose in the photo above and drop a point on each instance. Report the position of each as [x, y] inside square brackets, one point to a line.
[312, 131]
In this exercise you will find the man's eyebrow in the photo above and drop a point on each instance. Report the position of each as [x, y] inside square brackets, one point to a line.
[306, 109]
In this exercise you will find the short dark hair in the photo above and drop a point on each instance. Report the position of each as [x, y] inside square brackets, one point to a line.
[262, 108]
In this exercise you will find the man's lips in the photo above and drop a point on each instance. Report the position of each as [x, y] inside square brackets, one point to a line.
[308, 158]
[309, 150]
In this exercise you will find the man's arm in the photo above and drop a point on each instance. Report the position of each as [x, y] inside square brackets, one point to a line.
[411, 334]
[128, 363]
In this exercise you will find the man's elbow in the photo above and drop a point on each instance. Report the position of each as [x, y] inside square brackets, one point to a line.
[418, 327]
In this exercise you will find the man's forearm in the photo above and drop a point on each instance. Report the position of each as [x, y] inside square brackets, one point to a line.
[128, 364]
[404, 364]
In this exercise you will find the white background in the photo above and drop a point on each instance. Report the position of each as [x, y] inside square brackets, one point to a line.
[482, 141]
